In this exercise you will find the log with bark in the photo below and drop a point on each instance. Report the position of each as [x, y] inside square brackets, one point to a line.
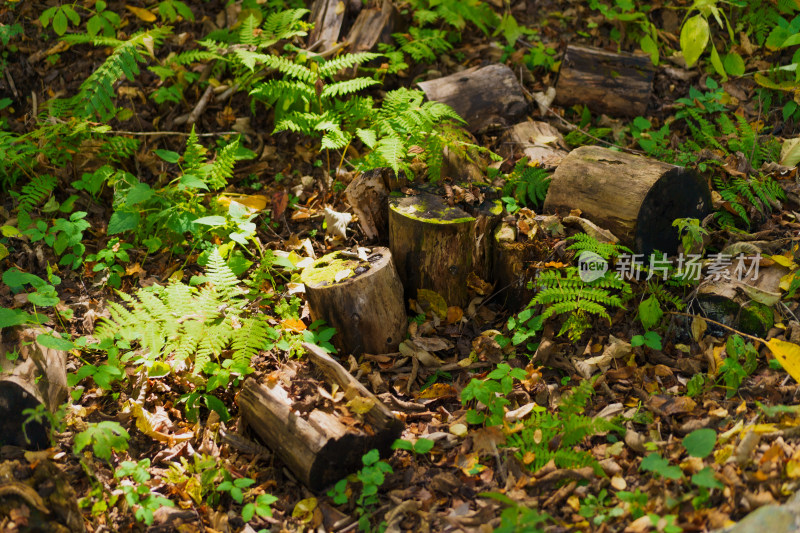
[361, 298]
[320, 448]
[511, 267]
[633, 197]
[615, 84]
[35, 376]
[433, 245]
[741, 300]
[485, 97]
[374, 25]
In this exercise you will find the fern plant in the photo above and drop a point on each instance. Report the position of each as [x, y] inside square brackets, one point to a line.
[527, 185]
[746, 197]
[96, 95]
[564, 292]
[555, 436]
[178, 326]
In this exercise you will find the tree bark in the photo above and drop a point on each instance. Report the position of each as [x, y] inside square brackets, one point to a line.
[366, 307]
[615, 84]
[328, 16]
[38, 376]
[433, 245]
[633, 197]
[511, 268]
[368, 195]
[538, 141]
[485, 97]
[319, 448]
[374, 25]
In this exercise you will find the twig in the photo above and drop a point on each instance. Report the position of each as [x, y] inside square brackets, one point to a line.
[720, 324]
[192, 117]
[184, 134]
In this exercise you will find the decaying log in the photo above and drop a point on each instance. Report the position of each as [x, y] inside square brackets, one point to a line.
[615, 84]
[538, 141]
[363, 300]
[743, 302]
[485, 97]
[433, 246]
[318, 447]
[633, 197]
[37, 376]
[368, 195]
[374, 25]
[328, 16]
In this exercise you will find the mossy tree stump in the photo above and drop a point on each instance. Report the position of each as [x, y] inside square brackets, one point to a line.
[319, 447]
[363, 300]
[434, 246]
[633, 197]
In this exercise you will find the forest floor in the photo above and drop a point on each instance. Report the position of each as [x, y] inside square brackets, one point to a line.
[656, 418]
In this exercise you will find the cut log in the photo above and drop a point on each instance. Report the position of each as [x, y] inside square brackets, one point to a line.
[485, 97]
[363, 300]
[368, 195]
[743, 302]
[373, 26]
[614, 84]
[36, 376]
[633, 197]
[328, 16]
[538, 141]
[433, 245]
[320, 449]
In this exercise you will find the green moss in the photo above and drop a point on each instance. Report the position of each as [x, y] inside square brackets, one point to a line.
[430, 209]
[324, 269]
[756, 319]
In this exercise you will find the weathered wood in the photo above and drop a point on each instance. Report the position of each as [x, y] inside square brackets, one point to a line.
[538, 141]
[615, 84]
[328, 16]
[633, 197]
[374, 25]
[365, 306]
[368, 195]
[318, 448]
[37, 376]
[485, 97]
[432, 244]
[743, 302]
[510, 267]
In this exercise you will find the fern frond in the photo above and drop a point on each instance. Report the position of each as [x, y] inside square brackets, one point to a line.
[342, 88]
[331, 67]
[35, 192]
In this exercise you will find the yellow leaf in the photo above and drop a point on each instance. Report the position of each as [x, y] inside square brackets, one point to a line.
[256, 202]
[141, 13]
[340, 7]
[360, 405]
[304, 510]
[782, 260]
[788, 355]
[3, 252]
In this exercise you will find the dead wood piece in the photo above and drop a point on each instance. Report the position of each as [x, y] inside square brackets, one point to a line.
[633, 197]
[510, 267]
[538, 141]
[615, 84]
[743, 302]
[374, 25]
[363, 300]
[37, 376]
[368, 195]
[485, 97]
[328, 16]
[434, 246]
[319, 449]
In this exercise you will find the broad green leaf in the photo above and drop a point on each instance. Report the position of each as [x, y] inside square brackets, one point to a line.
[734, 64]
[650, 47]
[694, 38]
[650, 312]
[122, 221]
[13, 317]
[168, 155]
[717, 63]
[705, 478]
[141, 192]
[215, 220]
[55, 343]
[60, 22]
[700, 442]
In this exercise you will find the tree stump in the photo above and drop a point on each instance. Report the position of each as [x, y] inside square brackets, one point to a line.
[744, 304]
[633, 197]
[485, 97]
[511, 264]
[319, 448]
[615, 84]
[37, 376]
[433, 245]
[374, 25]
[538, 141]
[363, 300]
[368, 195]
